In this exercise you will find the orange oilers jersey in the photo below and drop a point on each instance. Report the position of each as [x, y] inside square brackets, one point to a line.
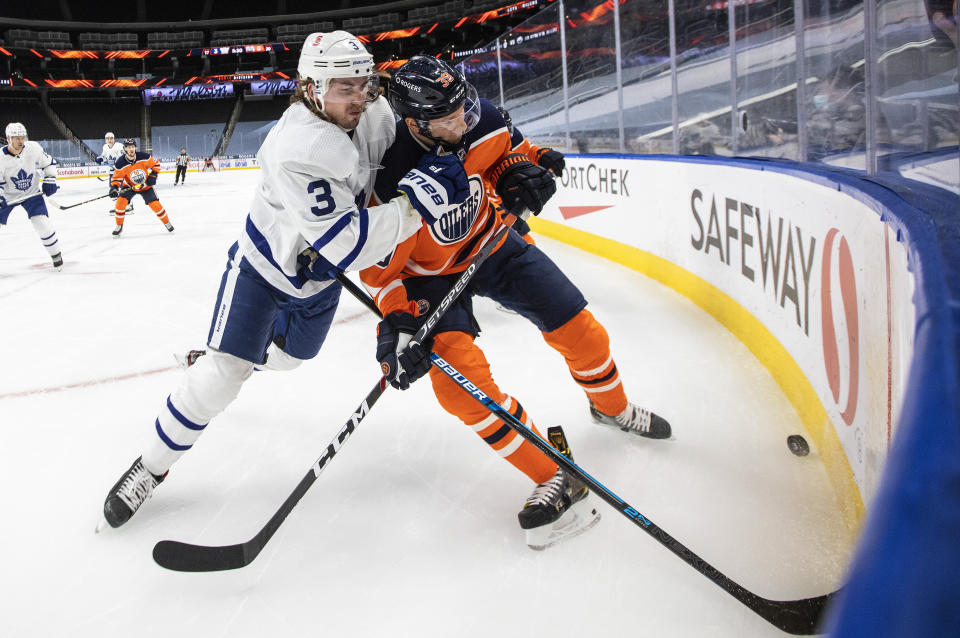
[135, 173]
[449, 244]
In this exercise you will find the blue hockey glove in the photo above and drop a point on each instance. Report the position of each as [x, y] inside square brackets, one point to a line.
[401, 362]
[437, 183]
[100, 160]
[49, 188]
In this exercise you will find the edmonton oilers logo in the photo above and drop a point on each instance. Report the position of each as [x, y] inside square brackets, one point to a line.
[138, 176]
[455, 224]
[838, 283]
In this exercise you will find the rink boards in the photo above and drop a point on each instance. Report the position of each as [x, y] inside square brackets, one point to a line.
[803, 270]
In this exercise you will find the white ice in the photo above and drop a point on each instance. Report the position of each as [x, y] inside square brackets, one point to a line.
[411, 530]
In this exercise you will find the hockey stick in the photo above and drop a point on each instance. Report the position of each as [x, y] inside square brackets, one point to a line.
[187, 557]
[58, 205]
[799, 617]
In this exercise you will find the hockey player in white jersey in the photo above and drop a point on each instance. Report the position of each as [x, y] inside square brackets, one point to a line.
[27, 173]
[112, 150]
[307, 221]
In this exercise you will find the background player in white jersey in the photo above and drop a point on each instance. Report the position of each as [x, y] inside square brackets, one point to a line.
[112, 150]
[306, 222]
[21, 162]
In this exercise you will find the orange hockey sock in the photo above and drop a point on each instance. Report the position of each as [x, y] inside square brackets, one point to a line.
[585, 345]
[120, 209]
[458, 349]
[157, 208]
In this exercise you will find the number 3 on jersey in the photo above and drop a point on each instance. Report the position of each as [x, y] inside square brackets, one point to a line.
[320, 189]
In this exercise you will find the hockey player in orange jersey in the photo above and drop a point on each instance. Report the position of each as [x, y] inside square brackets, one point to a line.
[135, 173]
[438, 107]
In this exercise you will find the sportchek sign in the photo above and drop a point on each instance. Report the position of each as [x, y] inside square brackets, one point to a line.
[814, 265]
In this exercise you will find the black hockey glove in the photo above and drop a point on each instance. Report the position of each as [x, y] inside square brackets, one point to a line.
[401, 361]
[551, 160]
[152, 180]
[521, 184]
[114, 192]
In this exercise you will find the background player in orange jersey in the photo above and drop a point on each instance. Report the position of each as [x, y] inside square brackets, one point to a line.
[135, 173]
[439, 108]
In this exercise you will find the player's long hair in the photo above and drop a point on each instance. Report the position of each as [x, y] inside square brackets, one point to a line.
[300, 96]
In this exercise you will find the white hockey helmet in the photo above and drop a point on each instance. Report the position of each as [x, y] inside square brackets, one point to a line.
[336, 54]
[108, 136]
[15, 129]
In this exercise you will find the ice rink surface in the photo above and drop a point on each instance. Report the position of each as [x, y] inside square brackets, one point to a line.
[411, 530]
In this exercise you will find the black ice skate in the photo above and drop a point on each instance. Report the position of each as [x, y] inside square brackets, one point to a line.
[558, 508]
[118, 230]
[57, 261]
[130, 492]
[636, 420]
[168, 226]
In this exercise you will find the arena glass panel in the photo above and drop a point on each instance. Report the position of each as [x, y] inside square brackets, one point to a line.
[480, 69]
[647, 91]
[767, 80]
[703, 79]
[592, 76]
[532, 68]
[917, 102]
[198, 139]
[834, 60]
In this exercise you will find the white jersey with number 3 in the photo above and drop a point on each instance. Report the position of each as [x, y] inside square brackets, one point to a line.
[315, 180]
[21, 175]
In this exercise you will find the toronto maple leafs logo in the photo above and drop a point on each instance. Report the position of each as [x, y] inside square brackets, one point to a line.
[22, 180]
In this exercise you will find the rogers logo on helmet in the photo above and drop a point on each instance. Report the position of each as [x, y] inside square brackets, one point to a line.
[412, 87]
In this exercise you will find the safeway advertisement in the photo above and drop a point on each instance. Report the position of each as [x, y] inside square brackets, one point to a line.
[816, 266]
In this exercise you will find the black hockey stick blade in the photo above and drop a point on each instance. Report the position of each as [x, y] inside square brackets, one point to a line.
[798, 617]
[184, 557]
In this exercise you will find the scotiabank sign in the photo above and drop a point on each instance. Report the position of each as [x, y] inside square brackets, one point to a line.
[814, 265]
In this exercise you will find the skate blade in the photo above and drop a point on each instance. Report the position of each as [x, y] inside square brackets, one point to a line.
[575, 521]
[102, 524]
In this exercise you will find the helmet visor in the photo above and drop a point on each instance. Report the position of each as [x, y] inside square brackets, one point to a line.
[464, 118]
[346, 90]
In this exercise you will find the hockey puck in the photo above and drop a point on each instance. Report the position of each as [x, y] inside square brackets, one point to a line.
[798, 445]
